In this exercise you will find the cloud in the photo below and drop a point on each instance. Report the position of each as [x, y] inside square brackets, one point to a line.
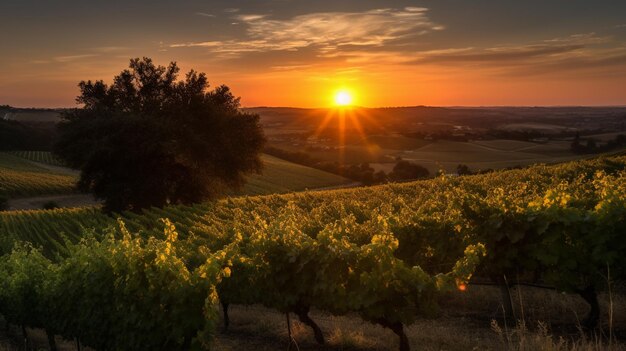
[550, 48]
[204, 14]
[250, 18]
[497, 54]
[109, 49]
[72, 58]
[577, 52]
[231, 10]
[328, 32]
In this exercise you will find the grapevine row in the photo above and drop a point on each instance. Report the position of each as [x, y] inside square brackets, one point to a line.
[384, 252]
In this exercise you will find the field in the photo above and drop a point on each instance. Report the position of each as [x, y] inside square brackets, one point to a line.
[348, 256]
[33, 116]
[35, 181]
[281, 176]
[481, 155]
[21, 178]
[38, 156]
[440, 138]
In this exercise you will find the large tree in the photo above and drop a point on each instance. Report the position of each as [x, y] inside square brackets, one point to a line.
[149, 139]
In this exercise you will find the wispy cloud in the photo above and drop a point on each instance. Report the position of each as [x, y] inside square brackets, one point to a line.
[576, 52]
[72, 58]
[204, 14]
[231, 10]
[109, 49]
[327, 32]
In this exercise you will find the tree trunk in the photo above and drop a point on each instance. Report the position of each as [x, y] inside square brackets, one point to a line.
[507, 300]
[77, 344]
[226, 318]
[303, 314]
[51, 341]
[25, 334]
[291, 339]
[397, 328]
[591, 297]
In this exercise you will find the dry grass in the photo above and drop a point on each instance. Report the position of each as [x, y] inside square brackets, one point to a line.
[471, 320]
[468, 321]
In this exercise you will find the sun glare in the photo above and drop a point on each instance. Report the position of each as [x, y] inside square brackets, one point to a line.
[343, 98]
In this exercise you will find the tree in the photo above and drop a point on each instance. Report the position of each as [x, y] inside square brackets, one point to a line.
[591, 145]
[405, 170]
[463, 169]
[576, 146]
[149, 139]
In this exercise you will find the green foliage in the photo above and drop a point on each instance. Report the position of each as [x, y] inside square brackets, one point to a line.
[385, 253]
[24, 275]
[149, 139]
[113, 294]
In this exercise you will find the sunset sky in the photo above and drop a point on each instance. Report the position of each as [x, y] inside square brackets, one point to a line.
[298, 53]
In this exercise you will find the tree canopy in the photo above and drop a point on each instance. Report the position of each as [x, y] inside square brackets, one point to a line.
[405, 170]
[150, 139]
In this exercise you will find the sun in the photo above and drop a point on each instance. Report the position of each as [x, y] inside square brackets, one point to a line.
[343, 98]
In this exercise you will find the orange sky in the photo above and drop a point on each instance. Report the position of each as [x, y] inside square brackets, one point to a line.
[392, 53]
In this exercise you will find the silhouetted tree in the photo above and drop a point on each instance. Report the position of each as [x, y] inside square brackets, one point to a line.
[380, 177]
[462, 169]
[591, 145]
[576, 145]
[405, 170]
[149, 139]
[26, 136]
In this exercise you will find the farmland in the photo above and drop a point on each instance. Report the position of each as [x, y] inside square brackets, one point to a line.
[280, 176]
[21, 178]
[408, 225]
[341, 261]
[313, 175]
[38, 156]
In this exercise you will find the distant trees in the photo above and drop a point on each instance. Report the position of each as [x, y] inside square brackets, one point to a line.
[591, 145]
[149, 139]
[462, 169]
[26, 136]
[405, 170]
[298, 157]
[364, 172]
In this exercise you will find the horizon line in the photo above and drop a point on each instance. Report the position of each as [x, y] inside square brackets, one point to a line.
[378, 107]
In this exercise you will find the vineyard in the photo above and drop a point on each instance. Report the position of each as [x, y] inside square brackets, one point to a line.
[385, 253]
[39, 156]
[19, 178]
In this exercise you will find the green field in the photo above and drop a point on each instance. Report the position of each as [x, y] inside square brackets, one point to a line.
[280, 176]
[384, 254]
[493, 154]
[396, 142]
[45, 157]
[20, 178]
[42, 226]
